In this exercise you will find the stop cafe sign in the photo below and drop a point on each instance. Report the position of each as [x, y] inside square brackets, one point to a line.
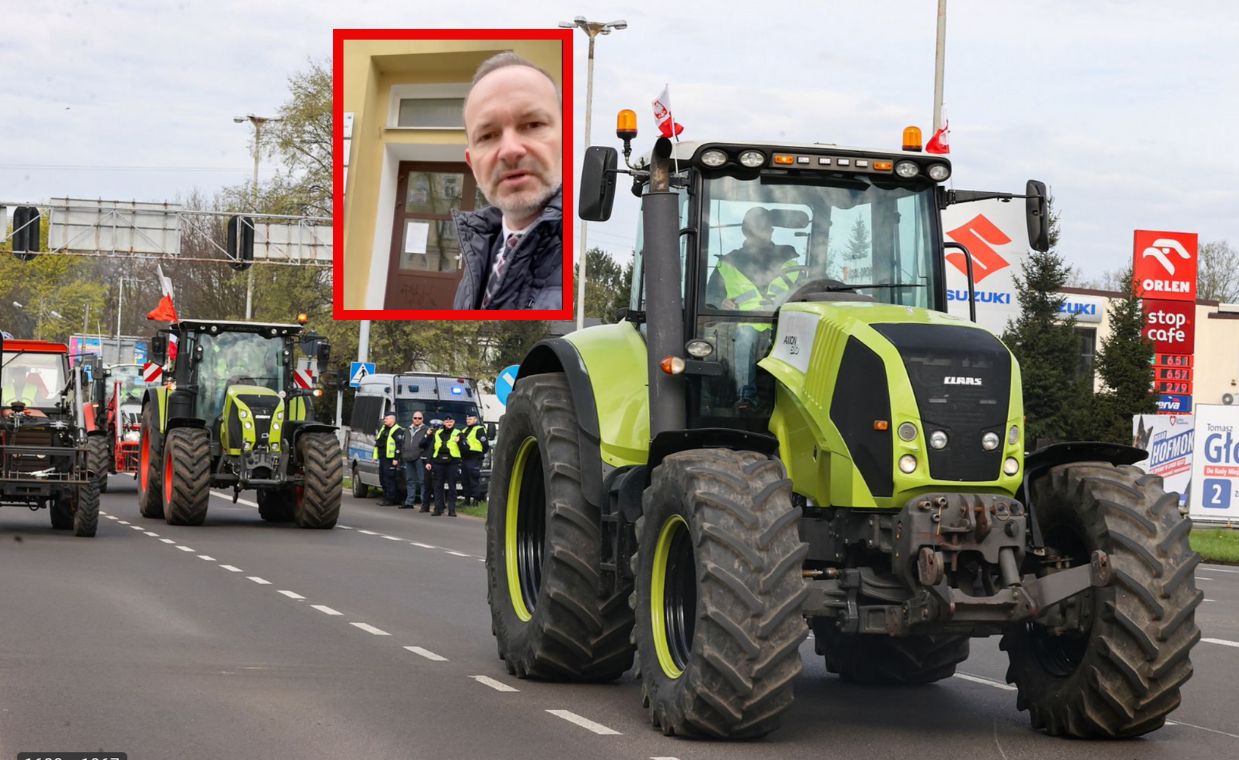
[1170, 326]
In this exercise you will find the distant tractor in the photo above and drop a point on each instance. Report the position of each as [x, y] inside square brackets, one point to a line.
[122, 389]
[51, 453]
[786, 432]
[236, 414]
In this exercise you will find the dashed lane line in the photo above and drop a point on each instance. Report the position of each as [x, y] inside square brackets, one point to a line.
[259, 581]
[370, 629]
[232, 569]
[585, 723]
[228, 498]
[325, 609]
[492, 683]
[166, 541]
[429, 655]
[1216, 569]
[423, 546]
[184, 548]
[291, 594]
[345, 527]
[137, 527]
[457, 554]
[367, 532]
[392, 538]
[1200, 728]
[151, 533]
[1222, 642]
[985, 681]
[207, 557]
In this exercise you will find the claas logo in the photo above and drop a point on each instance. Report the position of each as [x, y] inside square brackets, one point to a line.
[979, 235]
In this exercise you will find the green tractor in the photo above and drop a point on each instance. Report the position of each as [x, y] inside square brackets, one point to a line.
[235, 413]
[755, 453]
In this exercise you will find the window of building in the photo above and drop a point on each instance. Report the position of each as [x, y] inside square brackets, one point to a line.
[1087, 337]
[427, 106]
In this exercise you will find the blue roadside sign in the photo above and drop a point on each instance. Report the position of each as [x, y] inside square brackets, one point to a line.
[357, 371]
[505, 381]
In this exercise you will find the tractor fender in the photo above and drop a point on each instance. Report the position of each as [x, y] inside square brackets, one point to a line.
[1038, 463]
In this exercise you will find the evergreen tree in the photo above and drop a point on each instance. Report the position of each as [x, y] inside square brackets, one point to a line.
[1124, 363]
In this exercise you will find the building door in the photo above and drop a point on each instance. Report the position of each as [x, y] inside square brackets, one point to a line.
[424, 266]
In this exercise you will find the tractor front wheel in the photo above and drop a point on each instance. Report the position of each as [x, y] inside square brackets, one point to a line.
[316, 502]
[186, 476]
[719, 593]
[1118, 673]
[551, 612]
[150, 465]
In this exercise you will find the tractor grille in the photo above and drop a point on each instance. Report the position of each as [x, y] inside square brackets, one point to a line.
[961, 378]
[262, 408]
[861, 397]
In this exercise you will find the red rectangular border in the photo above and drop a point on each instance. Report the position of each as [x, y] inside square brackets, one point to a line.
[338, 312]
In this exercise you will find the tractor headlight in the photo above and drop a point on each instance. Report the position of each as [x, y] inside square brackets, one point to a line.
[242, 413]
[938, 172]
[714, 158]
[907, 169]
[1013, 435]
[249, 426]
[275, 426]
[907, 464]
[698, 348]
[132, 436]
[907, 431]
[1011, 466]
[752, 158]
[938, 439]
[990, 441]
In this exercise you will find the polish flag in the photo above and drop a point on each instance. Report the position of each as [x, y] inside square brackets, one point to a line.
[165, 311]
[667, 125]
[938, 143]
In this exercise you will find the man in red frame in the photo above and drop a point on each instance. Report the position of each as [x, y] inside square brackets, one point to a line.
[512, 251]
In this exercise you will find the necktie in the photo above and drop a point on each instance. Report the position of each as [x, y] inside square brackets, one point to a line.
[496, 271]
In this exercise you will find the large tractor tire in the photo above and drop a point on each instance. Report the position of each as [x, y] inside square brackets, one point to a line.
[552, 615]
[889, 661]
[86, 509]
[317, 501]
[276, 505]
[719, 593]
[61, 510]
[150, 465]
[186, 476]
[360, 490]
[1121, 676]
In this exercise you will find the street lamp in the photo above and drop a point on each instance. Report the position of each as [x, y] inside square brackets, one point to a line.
[593, 29]
[258, 122]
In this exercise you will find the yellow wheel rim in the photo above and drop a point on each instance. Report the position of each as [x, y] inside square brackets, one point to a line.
[658, 595]
[512, 510]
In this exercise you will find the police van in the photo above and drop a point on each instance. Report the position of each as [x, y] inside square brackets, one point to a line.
[437, 397]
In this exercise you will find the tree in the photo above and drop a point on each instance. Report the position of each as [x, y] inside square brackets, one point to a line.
[608, 285]
[1124, 362]
[1217, 272]
[302, 140]
[1046, 346]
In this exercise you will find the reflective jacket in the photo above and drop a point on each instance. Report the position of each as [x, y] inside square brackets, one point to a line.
[748, 297]
[390, 439]
[475, 441]
[445, 448]
[533, 279]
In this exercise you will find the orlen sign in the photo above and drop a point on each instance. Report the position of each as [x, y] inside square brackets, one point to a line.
[1165, 265]
[1170, 326]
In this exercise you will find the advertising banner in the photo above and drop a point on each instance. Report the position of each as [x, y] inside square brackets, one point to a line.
[996, 236]
[1215, 464]
[1170, 326]
[1168, 439]
[1164, 265]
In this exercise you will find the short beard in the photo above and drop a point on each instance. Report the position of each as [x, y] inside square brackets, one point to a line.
[524, 204]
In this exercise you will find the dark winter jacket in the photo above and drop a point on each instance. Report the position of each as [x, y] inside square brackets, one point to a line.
[413, 449]
[533, 278]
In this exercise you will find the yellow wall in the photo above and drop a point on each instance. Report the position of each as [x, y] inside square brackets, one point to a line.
[370, 69]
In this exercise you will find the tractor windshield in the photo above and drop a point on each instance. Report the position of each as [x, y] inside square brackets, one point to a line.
[131, 383]
[35, 379]
[762, 239]
[236, 358]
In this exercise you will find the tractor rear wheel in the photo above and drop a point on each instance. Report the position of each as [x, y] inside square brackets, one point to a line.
[719, 593]
[186, 476]
[62, 512]
[1120, 676]
[275, 505]
[552, 615]
[150, 465]
[316, 502]
[888, 661]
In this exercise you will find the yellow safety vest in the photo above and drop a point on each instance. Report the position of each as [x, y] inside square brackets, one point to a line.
[10, 394]
[471, 439]
[391, 442]
[748, 297]
[453, 444]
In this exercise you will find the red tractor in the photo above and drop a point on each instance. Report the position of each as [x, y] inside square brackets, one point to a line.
[124, 385]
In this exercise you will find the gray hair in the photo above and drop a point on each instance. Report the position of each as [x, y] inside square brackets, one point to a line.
[502, 61]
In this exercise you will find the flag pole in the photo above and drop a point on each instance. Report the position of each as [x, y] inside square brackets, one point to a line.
[939, 65]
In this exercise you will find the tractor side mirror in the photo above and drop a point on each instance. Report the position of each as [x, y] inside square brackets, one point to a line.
[1037, 214]
[597, 183]
[159, 349]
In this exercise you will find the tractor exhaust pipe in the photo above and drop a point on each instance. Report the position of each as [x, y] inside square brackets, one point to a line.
[664, 305]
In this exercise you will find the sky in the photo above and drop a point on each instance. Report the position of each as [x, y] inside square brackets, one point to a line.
[1124, 109]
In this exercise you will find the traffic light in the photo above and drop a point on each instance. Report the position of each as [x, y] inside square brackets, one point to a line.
[241, 242]
[25, 232]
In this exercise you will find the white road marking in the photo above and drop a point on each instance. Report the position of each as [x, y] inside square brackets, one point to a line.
[1210, 600]
[424, 546]
[585, 723]
[492, 683]
[325, 609]
[345, 527]
[457, 554]
[136, 527]
[228, 498]
[126, 522]
[207, 557]
[368, 532]
[152, 533]
[1216, 569]
[986, 681]
[370, 629]
[259, 581]
[393, 538]
[1222, 642]
[231, 569]
[661, 757]
[1203, 578]
[186, 548]
[291, 594]
[1200, 728]
[429, 655]
[166, 541]
[111, 517]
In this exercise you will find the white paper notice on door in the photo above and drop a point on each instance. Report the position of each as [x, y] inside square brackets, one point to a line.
[415, 234]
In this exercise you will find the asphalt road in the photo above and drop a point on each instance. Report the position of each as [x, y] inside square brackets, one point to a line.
[246, 639]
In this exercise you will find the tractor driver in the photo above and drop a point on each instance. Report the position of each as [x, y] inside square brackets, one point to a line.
[757, 276]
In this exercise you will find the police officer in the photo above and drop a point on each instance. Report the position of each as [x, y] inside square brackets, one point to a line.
[414, 455]
[472, 450]
[388, 446]
[444, 465]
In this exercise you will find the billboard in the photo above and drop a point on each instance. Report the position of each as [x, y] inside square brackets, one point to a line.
[1168, 439]
[114, 226]
[996, 236]
[1215, 464]
[1164, 265]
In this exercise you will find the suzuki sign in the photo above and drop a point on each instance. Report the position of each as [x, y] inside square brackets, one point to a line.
[996, 236]
[1165, 265]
